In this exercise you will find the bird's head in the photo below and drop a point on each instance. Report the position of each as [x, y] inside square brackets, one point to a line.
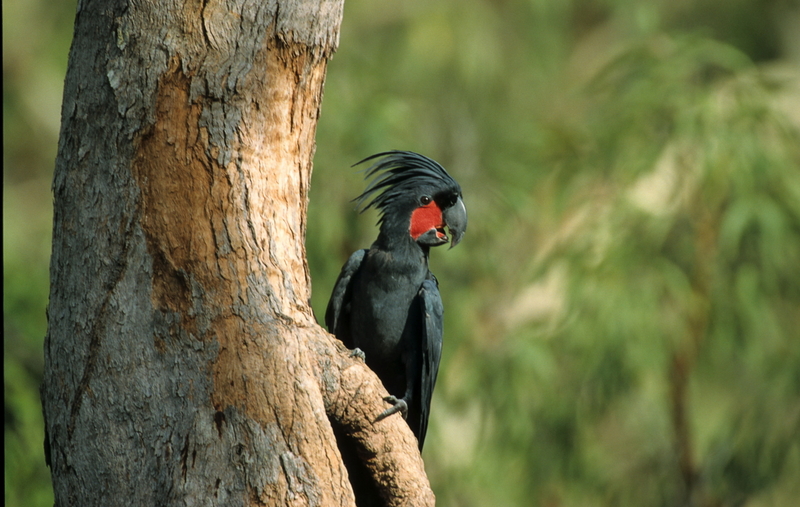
[415, 196]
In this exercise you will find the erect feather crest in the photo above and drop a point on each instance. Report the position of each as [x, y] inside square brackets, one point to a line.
[395, 174]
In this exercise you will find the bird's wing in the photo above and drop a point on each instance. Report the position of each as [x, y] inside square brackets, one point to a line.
[337, 313]
[431, 349]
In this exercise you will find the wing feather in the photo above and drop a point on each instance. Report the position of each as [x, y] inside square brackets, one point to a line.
[431, 349]
[337, 315]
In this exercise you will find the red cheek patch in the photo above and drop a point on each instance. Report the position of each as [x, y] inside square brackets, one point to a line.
[424, 219]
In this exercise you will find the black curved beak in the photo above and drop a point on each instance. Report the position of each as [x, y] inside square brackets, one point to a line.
[455, 217]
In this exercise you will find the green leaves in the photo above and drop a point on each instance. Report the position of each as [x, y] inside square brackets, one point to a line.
[633, 194]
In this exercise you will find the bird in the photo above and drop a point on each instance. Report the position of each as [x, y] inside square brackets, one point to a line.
[386, 302]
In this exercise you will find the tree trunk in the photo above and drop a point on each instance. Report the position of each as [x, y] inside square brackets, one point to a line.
[183, 364]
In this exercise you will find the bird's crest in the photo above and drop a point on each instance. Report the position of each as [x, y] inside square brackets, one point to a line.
[397, 173]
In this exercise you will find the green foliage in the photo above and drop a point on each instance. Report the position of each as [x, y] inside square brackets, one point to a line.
[36, 37]
[622, 316]
[680, 247]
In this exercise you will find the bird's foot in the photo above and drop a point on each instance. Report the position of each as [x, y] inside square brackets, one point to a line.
[358, 353]
[398, 405]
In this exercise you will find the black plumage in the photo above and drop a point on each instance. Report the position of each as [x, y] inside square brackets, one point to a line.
[386, 301]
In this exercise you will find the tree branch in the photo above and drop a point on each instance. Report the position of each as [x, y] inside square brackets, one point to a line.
[352, 394]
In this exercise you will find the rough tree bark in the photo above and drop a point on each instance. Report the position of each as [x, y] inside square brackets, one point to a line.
[183, 363]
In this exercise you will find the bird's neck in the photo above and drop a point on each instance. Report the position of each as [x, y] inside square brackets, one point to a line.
[402, 246]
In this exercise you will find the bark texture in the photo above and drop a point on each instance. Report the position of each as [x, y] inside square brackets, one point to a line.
[183, 362]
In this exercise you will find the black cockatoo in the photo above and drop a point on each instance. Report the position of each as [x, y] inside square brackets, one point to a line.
[386, 301]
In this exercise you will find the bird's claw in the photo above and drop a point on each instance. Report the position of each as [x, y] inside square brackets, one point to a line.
[398, 405]
[358, 353]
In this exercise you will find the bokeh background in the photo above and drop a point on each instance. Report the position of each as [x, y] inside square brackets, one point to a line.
[623, 315]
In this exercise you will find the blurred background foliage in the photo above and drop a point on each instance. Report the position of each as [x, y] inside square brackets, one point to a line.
[623, 316]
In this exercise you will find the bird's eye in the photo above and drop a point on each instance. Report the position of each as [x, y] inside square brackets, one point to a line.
[425, 200]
